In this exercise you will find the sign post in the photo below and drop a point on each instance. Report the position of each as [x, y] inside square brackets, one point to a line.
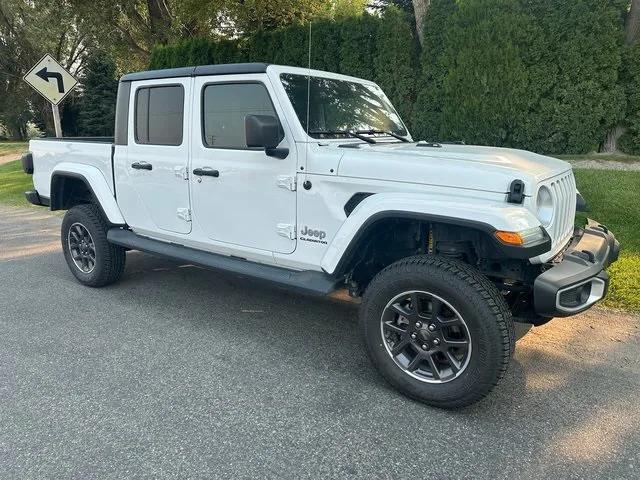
[53, 82]
[57, 124]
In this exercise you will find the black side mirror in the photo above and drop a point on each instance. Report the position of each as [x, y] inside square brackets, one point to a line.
[265, 131]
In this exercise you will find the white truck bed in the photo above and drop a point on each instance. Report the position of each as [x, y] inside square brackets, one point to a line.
[51, 152]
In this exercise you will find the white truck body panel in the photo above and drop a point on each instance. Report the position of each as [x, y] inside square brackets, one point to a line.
[499, 215]
[151, 199]
[100, 187]
[89, 160]
[258, 208]
[50, 153]
[315, 185]
[252, 205]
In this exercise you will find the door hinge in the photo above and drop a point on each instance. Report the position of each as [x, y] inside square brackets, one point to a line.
[184, 214]
[286, 230]
[288, 182]
[181, 172]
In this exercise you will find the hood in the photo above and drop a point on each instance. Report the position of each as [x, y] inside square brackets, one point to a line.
[489, 169]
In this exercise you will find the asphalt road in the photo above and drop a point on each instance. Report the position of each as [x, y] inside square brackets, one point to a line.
[178, 372]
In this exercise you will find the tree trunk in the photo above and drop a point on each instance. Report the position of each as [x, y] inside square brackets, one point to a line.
[632, 26]
[610, 144]
[160, 19]
[420, 8]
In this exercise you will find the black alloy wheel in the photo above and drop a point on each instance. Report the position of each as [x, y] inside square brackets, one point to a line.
[426, 337]
[82, 248]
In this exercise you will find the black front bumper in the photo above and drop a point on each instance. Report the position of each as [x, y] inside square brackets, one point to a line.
[579, 279]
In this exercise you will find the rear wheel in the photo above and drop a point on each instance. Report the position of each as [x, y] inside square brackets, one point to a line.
[437, 330]
[91, 258]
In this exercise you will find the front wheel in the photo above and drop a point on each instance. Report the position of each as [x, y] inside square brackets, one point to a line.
[91, 258]
[437, 330]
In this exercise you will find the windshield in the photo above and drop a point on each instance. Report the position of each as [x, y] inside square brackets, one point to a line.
[338, 107]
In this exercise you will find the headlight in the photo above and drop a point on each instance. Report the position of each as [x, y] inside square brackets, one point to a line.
[544, 206]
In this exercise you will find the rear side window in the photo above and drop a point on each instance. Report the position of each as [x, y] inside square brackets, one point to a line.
[225, 107]
[159, 115]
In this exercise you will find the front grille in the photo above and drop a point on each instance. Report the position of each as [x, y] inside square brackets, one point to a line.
[563, 191]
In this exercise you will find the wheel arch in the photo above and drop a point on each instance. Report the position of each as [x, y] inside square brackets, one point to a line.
[72, 186]
[481, 217]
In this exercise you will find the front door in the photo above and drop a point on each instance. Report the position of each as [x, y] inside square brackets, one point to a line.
[153, 190]
[240, 195]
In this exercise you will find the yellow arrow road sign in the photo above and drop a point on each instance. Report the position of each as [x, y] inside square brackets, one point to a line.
[50, 79]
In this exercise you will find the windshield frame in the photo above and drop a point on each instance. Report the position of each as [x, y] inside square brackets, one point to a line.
[281, 71]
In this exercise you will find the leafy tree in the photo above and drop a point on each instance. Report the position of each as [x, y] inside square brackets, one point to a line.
[130, 29]
[251, 15]
[97, 107]
[27, 31]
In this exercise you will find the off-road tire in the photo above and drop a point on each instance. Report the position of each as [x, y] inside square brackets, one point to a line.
[109, 258]
[476, 299]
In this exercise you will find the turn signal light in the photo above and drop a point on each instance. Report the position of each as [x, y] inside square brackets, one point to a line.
[510, 238]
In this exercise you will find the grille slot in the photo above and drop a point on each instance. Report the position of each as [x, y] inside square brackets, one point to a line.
[563, 190]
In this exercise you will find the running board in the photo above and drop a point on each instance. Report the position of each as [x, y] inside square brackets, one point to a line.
[309, 281]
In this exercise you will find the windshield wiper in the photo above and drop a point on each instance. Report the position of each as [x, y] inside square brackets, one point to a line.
[386, 132]
[357, 135]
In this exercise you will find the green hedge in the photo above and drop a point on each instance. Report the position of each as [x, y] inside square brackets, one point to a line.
[541, 75]
[630, 141]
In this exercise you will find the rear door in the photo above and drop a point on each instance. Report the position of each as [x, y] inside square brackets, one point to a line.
[153, 190]
[251, 202]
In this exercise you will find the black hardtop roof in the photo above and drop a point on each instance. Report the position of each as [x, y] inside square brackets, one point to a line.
[222, 69]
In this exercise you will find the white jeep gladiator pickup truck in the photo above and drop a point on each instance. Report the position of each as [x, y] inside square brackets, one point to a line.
[310, 180]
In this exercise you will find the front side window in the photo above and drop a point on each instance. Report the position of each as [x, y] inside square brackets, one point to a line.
[224, 109]
[159, 115]
[339, 106]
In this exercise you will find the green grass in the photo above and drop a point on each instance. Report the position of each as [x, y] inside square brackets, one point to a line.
[601, 157]
[613, 199]
[13, 183]
[7, 148]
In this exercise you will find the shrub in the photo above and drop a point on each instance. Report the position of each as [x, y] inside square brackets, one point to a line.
[358, 42]
[427, 113]
[395, 61]
[537, 75]
[630, 141]
[541, 75]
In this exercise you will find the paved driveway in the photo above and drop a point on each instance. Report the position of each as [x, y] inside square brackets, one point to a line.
[178, 372]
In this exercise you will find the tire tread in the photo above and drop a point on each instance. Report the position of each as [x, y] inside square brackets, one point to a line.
[113, 262]
[476, 281]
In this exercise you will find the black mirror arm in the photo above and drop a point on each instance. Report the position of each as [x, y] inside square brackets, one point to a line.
[278, 152]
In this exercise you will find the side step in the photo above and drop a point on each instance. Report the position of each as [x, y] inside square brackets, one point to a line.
[310, 282]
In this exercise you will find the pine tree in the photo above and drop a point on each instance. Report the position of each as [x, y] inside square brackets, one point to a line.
[100, 87]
